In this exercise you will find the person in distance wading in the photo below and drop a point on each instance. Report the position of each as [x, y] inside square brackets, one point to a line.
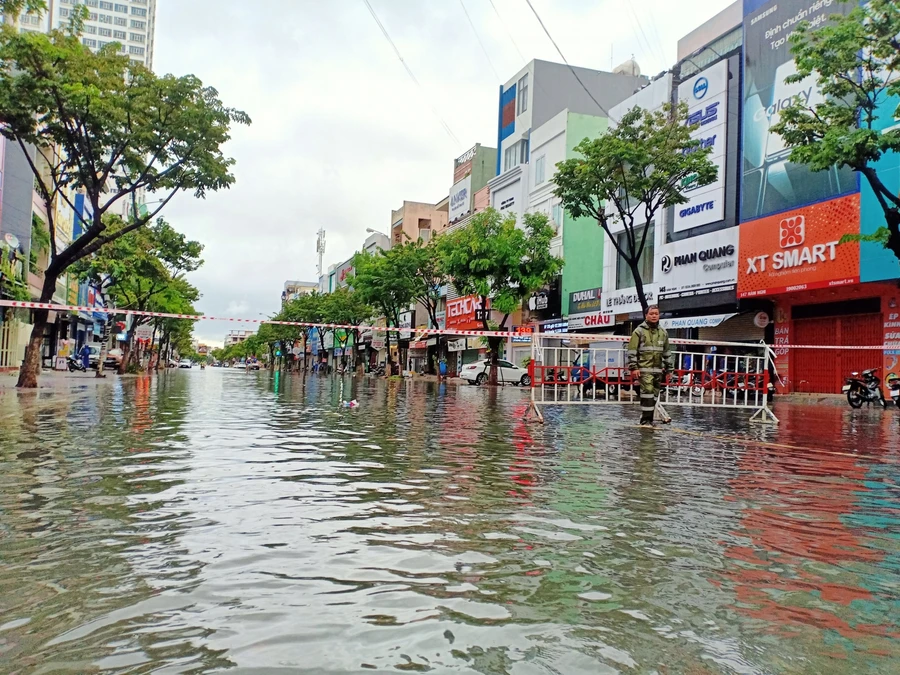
[649, 359]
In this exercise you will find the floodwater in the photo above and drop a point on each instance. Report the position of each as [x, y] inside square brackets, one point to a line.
[203, 521]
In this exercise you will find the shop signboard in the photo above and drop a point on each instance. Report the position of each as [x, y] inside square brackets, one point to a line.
[456, 345]
[328, 339]
[342, 273]
[800, 250]
[771, 183]
[522, 334]
[378, 342]
[405, 322]
[586, 301]
[698, 265]
[463, 313]
[461, 199]
[709, 321]
[706, 95]
[554, 327]
[590, 321]
[626, 300]
[441, 319]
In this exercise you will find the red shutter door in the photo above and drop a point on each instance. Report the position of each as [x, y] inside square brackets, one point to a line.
[823, 371]
[815, 370]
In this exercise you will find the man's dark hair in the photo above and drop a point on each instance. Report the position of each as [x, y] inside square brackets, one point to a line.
[656, 307]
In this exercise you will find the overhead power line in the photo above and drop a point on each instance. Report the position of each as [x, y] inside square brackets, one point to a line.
[410, 73]
[502, 23]
[562, 56]
[478, 37]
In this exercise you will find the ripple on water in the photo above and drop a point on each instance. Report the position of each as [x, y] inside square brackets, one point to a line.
[203, 521]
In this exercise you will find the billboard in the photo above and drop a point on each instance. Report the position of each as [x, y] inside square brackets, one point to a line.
[770, 182]
[461, 199]
[698, 265]
[706, 95]
[462, 313]
[800, 250]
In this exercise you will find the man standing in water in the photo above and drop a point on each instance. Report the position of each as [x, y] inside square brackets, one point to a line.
[649, 359]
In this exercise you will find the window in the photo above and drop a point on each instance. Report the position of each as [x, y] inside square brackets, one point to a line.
[119, 34]
[515, 154]
[63, 13]
[122, 8]
[539, 170]
[106, 5]
[120, 21]
[137, 51]
[106, 18]
[624, 277]
[522, 95]
[89, 43]
[141, 25]
[556, 214]
[139, 11]
[91, 3]
[136, 37]
[105, 32]
[90, 29]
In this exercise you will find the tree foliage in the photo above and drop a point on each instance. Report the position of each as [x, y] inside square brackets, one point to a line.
[381, 284]
[419, 266]
[100, 125]
[625, 177]
[501, 263]
[855, 59]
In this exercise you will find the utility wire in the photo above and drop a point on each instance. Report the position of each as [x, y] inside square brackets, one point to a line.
[512, 39]
[562, 56]
[410, 72]
[478, 37]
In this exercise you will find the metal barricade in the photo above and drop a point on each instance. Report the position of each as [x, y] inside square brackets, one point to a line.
[586, 369]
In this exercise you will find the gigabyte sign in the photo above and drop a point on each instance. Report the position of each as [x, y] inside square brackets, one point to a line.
[670, 261]
[697, 208]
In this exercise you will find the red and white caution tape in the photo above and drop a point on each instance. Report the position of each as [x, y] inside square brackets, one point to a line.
[17, 304]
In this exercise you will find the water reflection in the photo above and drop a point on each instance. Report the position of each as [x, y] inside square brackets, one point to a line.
[204, 520]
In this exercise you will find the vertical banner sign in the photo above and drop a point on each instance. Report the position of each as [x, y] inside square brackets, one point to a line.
[706, 95]
[771, 183]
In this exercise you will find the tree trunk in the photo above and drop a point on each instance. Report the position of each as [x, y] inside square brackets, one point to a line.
[639, 284]
[31, 365]
[389, 364]
[128, 351]
[494, 348]
[892, 216]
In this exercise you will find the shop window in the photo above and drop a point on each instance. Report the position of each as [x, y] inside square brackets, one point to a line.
[624, 277]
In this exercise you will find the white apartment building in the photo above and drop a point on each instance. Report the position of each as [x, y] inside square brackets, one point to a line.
[132, 23]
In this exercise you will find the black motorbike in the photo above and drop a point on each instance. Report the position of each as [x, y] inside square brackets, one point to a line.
[865, 388]
[76, 364]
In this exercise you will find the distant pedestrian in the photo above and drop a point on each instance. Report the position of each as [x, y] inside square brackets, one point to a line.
[649, 359]
[86, 356]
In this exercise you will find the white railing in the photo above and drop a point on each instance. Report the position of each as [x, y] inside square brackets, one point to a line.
[592, 370]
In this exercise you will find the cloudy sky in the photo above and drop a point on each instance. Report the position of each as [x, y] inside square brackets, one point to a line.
[341, 134]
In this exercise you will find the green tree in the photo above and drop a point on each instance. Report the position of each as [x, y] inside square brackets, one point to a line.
[110, 129]
[419, 264]
[626, 176]
[346, 306]
[385, 287]
[16, 7]
[855, 59]
[144, 270]
[501, 263]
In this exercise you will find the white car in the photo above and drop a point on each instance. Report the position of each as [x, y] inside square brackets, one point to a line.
[477, 373]
[186, 363]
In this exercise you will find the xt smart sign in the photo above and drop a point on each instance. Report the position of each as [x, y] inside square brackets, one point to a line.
[707, 97]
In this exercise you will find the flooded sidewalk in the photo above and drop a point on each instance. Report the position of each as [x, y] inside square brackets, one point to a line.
[198, 521]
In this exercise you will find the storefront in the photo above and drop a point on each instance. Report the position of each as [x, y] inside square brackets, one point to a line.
[465, 314]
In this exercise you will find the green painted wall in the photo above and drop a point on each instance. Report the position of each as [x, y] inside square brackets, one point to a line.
[583, 239]
[484, 167]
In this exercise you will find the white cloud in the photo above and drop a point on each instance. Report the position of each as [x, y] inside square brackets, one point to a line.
[341, 135]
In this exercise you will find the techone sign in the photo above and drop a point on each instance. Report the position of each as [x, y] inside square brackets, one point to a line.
[698, 265]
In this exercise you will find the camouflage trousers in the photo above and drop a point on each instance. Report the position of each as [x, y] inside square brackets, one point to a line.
[650, 386]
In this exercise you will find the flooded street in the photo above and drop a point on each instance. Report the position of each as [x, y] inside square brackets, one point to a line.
[203, 521]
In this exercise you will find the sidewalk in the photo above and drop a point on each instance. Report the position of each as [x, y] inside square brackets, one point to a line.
[58, 380]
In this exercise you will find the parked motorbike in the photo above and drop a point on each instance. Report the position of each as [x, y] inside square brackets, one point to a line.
[893, 383]
[75, 364]
[555, 375]
[865, 388]
[379, 370]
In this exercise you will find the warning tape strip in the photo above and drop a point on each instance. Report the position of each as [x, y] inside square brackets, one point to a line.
[18, 304]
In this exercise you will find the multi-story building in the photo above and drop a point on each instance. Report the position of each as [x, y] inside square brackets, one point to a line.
[237, 336]
[471, 173]
[131, 23]
[418, 220]
[294, 289]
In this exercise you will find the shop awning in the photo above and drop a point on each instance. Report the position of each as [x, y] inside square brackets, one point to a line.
[707, 321]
